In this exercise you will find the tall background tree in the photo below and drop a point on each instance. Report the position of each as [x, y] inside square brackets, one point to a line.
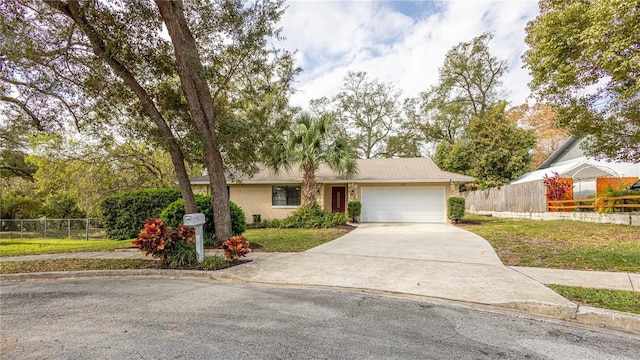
[369, 113]
[464, 115]
[469, 82]
[542, 119]
[310, 142]
[584, 58]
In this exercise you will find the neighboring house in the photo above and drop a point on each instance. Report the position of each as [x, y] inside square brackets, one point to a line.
[391, 190]
[569, 161]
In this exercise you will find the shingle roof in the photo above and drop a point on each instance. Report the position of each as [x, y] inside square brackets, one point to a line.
[369, 170]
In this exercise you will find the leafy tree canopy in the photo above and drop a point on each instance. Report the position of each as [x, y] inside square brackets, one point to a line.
[496, 150]
[584, 58]
[469, 82]
[367, 110]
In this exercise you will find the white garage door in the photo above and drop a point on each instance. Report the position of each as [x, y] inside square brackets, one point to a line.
[403, 204]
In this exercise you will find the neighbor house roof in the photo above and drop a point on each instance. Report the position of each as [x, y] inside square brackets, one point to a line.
[564, 148]
[408, 170]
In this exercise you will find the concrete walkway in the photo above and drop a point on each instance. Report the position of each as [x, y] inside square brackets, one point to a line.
[433, 260]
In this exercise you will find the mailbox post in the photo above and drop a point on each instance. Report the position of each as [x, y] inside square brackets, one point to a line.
[196, 221]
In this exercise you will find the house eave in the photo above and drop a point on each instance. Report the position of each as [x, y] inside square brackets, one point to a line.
[344, 181]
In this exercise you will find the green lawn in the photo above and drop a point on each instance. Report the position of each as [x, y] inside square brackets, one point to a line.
[620, 300]
[16, 247]
[291, 240]
[561, 244]
[277, 240]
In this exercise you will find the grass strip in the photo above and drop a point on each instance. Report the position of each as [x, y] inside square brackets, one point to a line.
[14, 267]
[561, 244]
[620, 300]
[18, 247]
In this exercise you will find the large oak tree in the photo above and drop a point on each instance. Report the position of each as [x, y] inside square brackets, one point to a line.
[105, 64]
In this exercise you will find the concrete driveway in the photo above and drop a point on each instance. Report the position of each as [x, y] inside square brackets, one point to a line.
[434, 260]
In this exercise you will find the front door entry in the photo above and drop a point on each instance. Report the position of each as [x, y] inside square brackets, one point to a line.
[338, 198]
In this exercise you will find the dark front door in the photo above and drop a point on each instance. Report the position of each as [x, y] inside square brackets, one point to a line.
[338, 195]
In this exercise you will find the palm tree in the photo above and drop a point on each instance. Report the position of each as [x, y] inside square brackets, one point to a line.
[310, 142]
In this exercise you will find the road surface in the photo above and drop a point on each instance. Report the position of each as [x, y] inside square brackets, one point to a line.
[191, 319]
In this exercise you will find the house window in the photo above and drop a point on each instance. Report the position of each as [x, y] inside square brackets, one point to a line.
[285, 196]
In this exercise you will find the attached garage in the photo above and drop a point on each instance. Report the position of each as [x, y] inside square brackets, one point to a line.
[404, 204]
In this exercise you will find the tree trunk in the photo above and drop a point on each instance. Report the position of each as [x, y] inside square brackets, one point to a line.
[198, 96]
[73, 11]
[309, 186]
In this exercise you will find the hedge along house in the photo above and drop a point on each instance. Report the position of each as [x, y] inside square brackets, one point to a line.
[391, 190]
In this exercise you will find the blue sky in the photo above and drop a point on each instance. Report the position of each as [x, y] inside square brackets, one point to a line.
[403, 42]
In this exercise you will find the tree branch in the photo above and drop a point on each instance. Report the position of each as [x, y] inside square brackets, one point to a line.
[36, 121]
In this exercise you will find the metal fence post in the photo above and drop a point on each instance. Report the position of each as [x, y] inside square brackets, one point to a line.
[68, 228]
[87, 229]
[45, 227]
[21, 228]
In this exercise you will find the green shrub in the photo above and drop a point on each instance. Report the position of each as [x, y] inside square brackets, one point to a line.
[304, 217]
[172, 215]
[455, 208]
[617, 193]
[310, 217]
[183, 254]
[334, 219]
[273, 223]
[123, 214]
[238, 220]
[354, 209]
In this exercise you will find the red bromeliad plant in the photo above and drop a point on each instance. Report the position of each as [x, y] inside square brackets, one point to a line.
[557, 188]
[157, 239]
[235, 247]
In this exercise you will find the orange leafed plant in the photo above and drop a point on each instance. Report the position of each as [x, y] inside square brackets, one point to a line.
[157, 239]
[235, 247]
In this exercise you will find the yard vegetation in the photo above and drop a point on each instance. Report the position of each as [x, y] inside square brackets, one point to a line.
[15, 267]
[271, 240]
[620, 300]
[36, 246]
[561, 244]
[291, 240]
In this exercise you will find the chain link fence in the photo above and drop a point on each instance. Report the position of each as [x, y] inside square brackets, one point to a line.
[84, 229]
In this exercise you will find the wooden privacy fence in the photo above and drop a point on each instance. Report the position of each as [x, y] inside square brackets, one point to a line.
[524, 197]
[624, 203]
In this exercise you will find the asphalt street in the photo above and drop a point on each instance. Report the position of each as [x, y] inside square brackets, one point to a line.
[120, 318]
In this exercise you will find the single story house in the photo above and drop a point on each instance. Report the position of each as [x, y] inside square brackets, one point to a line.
[569, 161]
[390, 190]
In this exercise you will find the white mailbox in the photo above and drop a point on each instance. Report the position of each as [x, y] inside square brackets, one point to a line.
[196, 221]
[193, 219]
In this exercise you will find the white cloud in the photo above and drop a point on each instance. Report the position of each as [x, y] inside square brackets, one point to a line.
[403, 42]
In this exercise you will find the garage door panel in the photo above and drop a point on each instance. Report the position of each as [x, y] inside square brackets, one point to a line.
[407, 204]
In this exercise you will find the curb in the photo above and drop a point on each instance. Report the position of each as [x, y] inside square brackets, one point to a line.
[609, 319]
